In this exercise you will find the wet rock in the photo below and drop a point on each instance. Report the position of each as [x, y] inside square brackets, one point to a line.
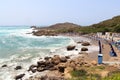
[41, 63]
[70, 48]
[33, 27]
[63, 59]
[84, 49]
[4, 65]
[32, 68]
[85, 44]
[67, 57]
[76, 49]
[79, 42]
[18, 67]
[47, 58]
[20, 76]
[40, 69]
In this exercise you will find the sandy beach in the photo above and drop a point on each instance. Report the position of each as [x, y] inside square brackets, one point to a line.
[90, 55]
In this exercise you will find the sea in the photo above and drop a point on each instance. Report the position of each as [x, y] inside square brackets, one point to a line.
[18, 47]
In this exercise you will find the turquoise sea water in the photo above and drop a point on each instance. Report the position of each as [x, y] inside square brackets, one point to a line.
[15, 41]
[19, 47]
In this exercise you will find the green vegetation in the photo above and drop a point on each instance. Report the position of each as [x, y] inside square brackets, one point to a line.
[79, 73]
[86, 75]
[113, 76]
[111, 25]
[83, 75]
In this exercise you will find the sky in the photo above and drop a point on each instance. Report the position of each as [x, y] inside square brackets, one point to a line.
[48, 12]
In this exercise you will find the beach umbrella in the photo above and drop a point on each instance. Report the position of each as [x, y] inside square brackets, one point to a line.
[100, 55]
[112, 52]
[100, 49]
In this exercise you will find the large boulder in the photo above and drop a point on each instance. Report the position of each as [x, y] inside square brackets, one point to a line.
[84, 49]
[70, 48]
[85, 44]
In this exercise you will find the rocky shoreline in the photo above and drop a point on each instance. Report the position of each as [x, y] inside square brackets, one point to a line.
[56, 65]
[60, 67]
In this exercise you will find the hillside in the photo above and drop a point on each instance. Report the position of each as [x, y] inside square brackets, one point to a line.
[58, 28]
[112, 25]
[66, 25]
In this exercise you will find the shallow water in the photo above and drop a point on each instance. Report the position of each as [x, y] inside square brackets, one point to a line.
[19, 48]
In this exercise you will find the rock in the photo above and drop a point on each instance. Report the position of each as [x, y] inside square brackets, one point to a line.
[18, 67]
[33, 27]
[79, 42]
[41, 63]
[20, 76]
[40, 69]
[63, 59]
[76, 49]
[56, 59]
[33, 68]
[49, 66]
[85, 44]
[84, 49]
[72, 64]
[94, 62]
[4, 65]
[70, 48]
[47, 58]
[61, 67]
[53, 68]
[56, 62]
[67, 57]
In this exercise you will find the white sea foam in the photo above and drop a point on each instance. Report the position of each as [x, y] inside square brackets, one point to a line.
[28, 49]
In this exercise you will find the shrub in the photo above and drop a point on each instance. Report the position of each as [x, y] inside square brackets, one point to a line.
[78, 73]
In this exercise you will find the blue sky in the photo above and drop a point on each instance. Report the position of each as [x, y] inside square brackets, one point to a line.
[48, 12]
